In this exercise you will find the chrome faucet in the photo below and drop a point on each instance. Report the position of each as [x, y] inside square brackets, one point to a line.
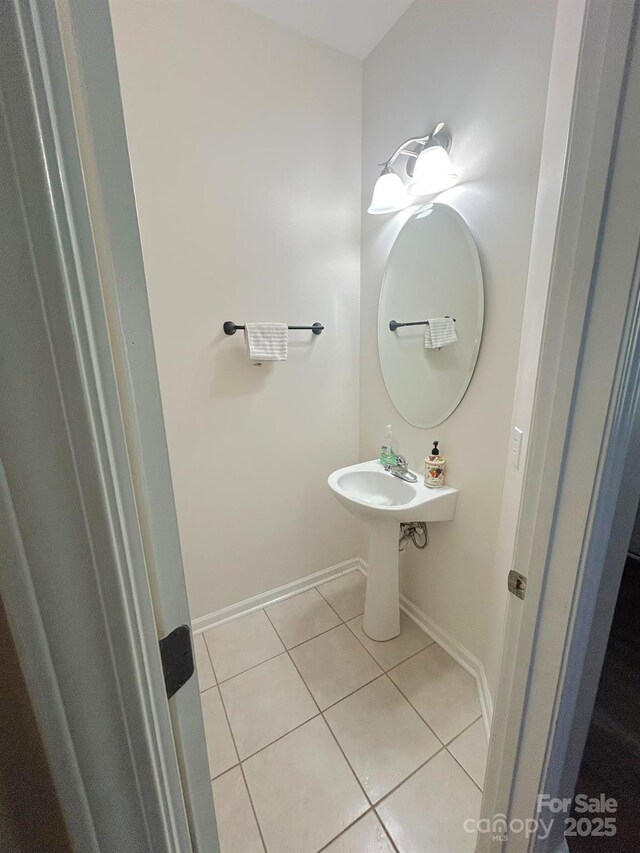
[401, 470]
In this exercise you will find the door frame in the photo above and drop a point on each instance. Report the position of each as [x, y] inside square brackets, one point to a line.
[109, 732]
[68, 50]
[579, 441]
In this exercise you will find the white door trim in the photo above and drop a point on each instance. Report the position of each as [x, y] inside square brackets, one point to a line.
[79, 603]
[101, 142]
[561, 474]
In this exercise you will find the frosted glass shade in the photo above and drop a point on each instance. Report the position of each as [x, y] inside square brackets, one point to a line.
[389, 194]
[433, 172]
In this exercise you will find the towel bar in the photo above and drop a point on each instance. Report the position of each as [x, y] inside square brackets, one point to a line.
[393, 324]
[230, 328]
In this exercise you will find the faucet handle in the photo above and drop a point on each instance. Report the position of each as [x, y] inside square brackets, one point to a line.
[401, 462]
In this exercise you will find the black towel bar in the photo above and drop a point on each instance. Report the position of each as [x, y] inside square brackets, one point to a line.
[231, 328]
[393, 324]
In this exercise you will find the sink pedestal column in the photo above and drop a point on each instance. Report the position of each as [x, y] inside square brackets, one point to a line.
[382, 602]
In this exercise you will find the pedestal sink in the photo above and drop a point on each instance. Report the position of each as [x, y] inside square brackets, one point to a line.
[384, 501]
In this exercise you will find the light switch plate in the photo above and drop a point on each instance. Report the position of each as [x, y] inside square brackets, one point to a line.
[516, 447]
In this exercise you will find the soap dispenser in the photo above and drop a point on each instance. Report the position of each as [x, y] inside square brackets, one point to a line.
[434, 468]
[387, 456]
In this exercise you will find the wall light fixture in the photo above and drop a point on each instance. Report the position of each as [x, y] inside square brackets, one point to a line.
[428, 168]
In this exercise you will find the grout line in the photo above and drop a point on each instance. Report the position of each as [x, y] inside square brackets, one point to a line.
[298, 671]
[445, 744]
[355, 775]
[362, 645]
[346, 829]
[372, 811]
[383, 673]
[262, 748]
[386, 832]
[253, 808]
[414, 654]
[372, 807]
[244, 778]
[464, 770]
[286, 651]
[321, 713]
[413, 773]
[317, 589]
[203, 625]
[293, 598]
[353, 634]
[308, 640]
[213, 669]
[362, 686]
[233, 740]
[462, 731]
[395, 665]
[355, 616]
[280, 737]
[253, 666]
[416, 710]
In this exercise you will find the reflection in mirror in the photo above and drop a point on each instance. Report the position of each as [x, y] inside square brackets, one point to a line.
[433, 271]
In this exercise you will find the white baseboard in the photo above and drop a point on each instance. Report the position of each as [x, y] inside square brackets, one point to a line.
[257, 602]
[458, 652]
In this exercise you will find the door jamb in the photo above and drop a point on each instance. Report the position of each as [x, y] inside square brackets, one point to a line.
[88, 772]
[532, 674]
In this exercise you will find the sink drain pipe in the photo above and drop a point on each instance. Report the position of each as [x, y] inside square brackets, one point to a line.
[413, 532]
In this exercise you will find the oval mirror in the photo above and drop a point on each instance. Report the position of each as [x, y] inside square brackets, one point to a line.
[433, 271]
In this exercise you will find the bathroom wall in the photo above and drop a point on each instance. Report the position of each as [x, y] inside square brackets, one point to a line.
[245, 144]
[483, 69]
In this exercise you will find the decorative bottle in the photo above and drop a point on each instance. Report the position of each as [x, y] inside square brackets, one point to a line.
[434, 468]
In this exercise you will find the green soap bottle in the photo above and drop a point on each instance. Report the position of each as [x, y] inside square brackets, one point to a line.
[387, 456]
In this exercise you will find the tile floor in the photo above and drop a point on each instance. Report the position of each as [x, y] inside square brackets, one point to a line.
[321, 739]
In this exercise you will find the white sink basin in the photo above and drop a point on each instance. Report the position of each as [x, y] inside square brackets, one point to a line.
[373, 494]
[384, 501]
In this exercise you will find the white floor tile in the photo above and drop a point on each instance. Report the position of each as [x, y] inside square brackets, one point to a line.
[346, 594]
[242, 643]
[470, 748]
[440, 690]
[302, 617]
[365, 836]
[206, 678]
[237, 827]
[220, 748]
[382, 736]
[392, 652]
[334, 665]
[265, 703]
[427, 813]
[303, 790]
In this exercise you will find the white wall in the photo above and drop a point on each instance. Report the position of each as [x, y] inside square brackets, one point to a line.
[483, 69]
[245, 149]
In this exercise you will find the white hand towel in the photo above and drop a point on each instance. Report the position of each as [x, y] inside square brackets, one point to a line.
[267, 341]
[440, 332]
